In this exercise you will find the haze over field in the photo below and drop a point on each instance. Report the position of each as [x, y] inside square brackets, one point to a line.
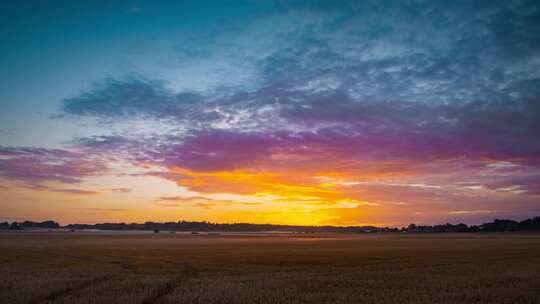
[287, 112]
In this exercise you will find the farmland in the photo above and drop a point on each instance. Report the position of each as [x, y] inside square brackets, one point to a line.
[144, 267]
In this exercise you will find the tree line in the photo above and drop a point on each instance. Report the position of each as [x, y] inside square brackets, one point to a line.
[498, 225]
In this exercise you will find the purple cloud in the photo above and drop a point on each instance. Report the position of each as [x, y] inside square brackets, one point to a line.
[528, 184]
[37, 165]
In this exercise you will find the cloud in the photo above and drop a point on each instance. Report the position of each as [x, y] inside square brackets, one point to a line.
[71, 191]
[200, 201]
[520, 184]
[121, 190]
[183, 198]
[103, 209]
[74, 191]
[128, 97]
[37, 165]
[372, 80]
[382, 166]
[471, 211]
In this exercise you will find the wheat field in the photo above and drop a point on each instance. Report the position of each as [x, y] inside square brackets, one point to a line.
[143, 267]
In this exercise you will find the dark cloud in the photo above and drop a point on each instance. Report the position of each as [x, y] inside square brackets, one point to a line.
[113, 98]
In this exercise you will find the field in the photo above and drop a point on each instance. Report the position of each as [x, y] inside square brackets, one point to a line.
[143, 267]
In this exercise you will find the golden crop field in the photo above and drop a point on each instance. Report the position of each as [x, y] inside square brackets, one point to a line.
[143, 267]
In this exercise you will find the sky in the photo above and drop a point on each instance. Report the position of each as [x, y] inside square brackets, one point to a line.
[286, 112]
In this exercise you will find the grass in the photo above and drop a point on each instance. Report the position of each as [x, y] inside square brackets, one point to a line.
[102, 267]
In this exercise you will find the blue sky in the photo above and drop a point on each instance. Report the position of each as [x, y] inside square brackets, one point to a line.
[52, 51]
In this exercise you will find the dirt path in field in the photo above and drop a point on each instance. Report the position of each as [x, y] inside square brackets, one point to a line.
[79, 286]
[188, 272]
[126, 267]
